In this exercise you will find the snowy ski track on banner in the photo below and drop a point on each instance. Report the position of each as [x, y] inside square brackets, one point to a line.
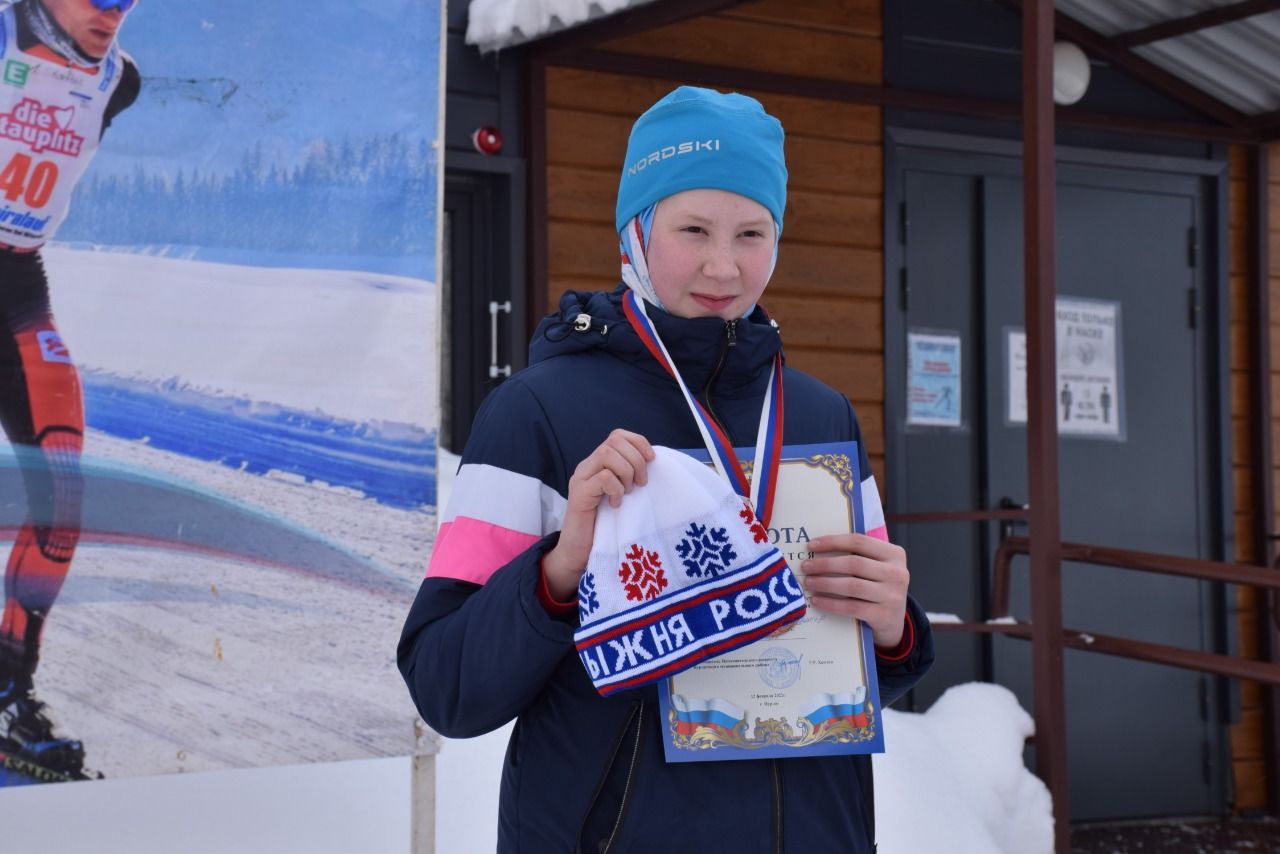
[160, 659]
[163, 659]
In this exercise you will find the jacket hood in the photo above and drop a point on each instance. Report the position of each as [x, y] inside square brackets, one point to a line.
[589, 321]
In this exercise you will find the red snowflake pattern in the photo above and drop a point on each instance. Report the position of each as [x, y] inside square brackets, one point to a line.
[641, 574]
[758, 532]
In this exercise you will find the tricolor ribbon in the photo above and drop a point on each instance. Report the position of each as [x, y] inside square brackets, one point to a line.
[761, 487]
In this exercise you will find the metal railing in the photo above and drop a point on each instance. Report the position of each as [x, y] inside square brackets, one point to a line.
[1234, 666]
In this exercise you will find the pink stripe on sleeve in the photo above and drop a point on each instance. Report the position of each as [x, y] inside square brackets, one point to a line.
[471, 550]
[881, 533]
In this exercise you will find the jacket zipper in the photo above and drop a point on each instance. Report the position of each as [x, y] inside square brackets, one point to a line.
[626, 789]
[777, 806]
[604, 776]
[730, 340]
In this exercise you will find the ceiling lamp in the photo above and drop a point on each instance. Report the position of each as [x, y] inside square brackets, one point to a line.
[1070, 73]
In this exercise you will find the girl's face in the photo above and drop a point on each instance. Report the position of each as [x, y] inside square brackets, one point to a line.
[710, 253]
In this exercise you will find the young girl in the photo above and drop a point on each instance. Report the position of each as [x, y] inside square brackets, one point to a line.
[490, 636]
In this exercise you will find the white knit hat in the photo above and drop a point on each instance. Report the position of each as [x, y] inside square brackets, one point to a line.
[679, 572]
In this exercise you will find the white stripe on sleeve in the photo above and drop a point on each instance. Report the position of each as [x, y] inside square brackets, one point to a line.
[514, 501]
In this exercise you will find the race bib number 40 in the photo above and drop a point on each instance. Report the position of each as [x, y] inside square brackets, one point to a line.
[31, 181]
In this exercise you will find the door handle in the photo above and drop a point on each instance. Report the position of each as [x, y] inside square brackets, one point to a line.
[1006, 526]
[496, 370]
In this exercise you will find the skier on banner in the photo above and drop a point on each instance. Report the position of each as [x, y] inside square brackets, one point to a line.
[62, 80]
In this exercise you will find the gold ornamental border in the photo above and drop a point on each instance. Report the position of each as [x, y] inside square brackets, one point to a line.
[772, 732]
[839, 465]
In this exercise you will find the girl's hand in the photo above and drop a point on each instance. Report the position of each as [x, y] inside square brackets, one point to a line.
[608, 473]
[862, 577]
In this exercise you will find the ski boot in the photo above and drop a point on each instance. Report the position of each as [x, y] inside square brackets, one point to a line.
[28, 744]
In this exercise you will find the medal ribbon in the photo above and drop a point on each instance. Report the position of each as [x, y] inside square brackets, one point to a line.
[762, 486]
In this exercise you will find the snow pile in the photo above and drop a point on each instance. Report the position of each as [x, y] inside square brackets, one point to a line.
[953, 779]
[495, 24]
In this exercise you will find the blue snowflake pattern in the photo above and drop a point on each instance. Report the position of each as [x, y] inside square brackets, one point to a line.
[705, 554]
[588, 602]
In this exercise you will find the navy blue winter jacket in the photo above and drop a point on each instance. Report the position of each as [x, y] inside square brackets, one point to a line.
[584, 773]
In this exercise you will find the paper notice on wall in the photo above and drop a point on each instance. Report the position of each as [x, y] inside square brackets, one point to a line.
[933, 379]
[1015, 360]
[1088, 390]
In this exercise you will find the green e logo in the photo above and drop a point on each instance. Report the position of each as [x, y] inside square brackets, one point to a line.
[15, 73]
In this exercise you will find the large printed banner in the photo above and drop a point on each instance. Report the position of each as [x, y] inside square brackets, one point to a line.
[218, 490]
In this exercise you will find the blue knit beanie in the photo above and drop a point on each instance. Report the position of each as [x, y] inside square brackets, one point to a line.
[702, 139]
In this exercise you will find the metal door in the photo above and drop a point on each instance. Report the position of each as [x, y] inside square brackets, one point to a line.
[480, 306]
[1143, 739]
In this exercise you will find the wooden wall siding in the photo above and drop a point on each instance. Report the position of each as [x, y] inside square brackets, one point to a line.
[777, 44]
[827, 292]
[848, 17]
[1247, 747]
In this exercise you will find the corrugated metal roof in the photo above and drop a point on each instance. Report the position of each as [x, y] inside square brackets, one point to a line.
[1238, 62]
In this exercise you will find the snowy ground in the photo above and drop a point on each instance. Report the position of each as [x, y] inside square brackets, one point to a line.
[952, 782]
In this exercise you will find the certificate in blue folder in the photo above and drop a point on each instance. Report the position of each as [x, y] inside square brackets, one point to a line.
[810, 688]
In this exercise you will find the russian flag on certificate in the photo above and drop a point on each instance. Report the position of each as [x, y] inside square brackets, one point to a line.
[713, 714]
[823, 710]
